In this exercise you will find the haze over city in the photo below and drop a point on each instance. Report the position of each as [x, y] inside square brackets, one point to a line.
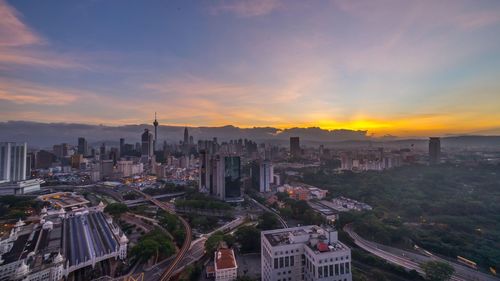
[406, 69]
[250, 140]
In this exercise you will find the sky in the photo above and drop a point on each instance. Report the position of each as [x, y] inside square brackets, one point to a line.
[405, 68]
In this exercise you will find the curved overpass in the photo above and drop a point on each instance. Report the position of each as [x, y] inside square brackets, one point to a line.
[167, 274]
[280, 219]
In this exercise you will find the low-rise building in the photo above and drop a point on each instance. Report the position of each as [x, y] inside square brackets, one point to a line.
[225, 266]
[344, 204]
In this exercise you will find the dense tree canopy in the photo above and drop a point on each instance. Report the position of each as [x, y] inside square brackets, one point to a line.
[449, 209]
[249, 239]
[116, 209]
[437, 271]
[153, 243]
[268, 221]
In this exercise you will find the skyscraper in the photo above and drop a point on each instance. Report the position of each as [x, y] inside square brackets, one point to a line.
[186, 147]
[434, 151]
[205, 172]
[102, 152]
[295, 147]
[155, 124]
[146, 145]
[220, 176]
[82, 146]
[232, 178]
[13, 161]
[186, 136]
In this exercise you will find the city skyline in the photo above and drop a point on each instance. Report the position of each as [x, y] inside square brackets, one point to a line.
[398, 68]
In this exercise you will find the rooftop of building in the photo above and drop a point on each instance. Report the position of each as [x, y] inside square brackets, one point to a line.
[319, 239]
[88, 235]
[75, 239]
[64, 199]
[224, 259]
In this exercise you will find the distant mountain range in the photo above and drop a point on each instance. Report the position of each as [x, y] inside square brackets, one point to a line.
[46, 134]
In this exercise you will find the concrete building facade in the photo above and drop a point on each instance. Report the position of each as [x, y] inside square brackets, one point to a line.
[307, 253]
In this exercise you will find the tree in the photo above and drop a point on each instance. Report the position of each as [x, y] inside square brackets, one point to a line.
[213, 241]
[170, 222]
[116, 209]
[145, 249]
[437, 271]
[152, 243]
[268, 221]
[249, 239]
[282, 195]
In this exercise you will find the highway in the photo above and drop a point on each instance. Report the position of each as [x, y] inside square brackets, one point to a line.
[167, 274]
[412, 261]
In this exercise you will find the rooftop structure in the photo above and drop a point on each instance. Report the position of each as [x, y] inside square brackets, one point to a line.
[64, 199]
[301, 191]
[328, 213]
[344, 204]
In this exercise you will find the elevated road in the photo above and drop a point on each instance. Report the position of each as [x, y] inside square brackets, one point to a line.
[142, 200]
[167, 274]
[412, 261]
[265, 208]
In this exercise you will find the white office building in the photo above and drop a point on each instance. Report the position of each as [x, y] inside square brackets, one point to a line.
[304, 253]
[13, 161]
[266, 176]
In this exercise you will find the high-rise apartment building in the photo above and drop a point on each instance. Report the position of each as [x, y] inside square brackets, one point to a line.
[13, 161]
[61, 150]
[295, 147]
[307, 253]
[44, 159]
[434, 150]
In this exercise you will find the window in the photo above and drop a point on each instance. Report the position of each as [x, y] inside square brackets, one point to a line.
[341, 268]
[346, 267]
[292, 261]
[275, 263]
[337, 269]
[287, 261]
[331, 269]
[320, 272]
[281, 262]
[325, 270]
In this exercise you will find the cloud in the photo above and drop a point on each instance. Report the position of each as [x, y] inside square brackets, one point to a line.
[9, 57]
[246, 8]
[21, 92]
[21, 46]
[13, 32]
[425, 14]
